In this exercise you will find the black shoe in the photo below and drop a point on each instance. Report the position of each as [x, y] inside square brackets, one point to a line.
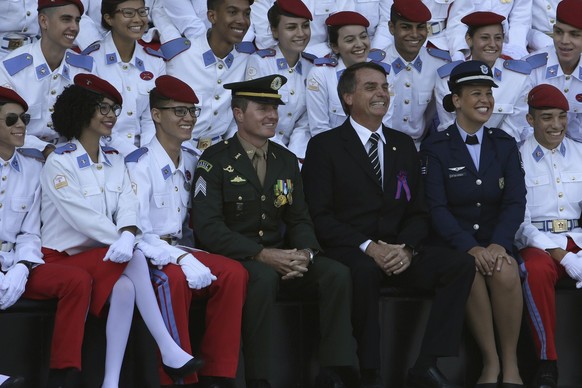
[215, 382]
[187, 369]
[428, 378]
[258, 383]
[14, 382]
[547, 375]
[64, 378]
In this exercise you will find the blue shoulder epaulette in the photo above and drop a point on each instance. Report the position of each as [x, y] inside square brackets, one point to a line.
[245, 47]
[325, 61]
[92, 47]
[537, 60]
[518, 66]
[264, 53]
[376, 55]
[154, 53]
[19, 62]
[310, 57]
[438, 53]
[79, 60]
[109, 150]
[134, 156]
[66, 148]
[31, 153]
[445, 70]
[386, 66]
[174, 47]
[190, 151]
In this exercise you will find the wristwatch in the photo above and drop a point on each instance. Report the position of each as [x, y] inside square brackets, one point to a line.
[312, 254]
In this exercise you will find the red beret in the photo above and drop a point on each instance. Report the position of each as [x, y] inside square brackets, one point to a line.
[9, 95]
[42, 4]
[294, 8]
[570, 12]
[97, 85]
[346, 18]
[175, 89]
[411, 10]
[482, 18]
[545, 96]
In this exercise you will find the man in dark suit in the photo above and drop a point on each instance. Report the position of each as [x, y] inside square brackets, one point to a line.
[248, 204]
[364, 191]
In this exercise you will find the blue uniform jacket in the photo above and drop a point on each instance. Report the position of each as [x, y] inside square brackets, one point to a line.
[470, 207]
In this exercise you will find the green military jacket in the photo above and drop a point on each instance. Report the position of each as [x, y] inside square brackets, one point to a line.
[234, 216]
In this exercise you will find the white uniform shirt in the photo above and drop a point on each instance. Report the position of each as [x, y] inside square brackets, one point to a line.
[518, 14]
[293, 127]
[133, 80]
[510, 108]
[85, 204]
[18, 19]
[554, 191]
[206, 74]
[571, 85]
[163, 190]
[543, 20]
[20, 209]
[320, 10]
[411, 92]
[25, 70]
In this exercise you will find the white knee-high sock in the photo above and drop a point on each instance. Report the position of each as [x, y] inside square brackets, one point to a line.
[117, 329]
[146, 302]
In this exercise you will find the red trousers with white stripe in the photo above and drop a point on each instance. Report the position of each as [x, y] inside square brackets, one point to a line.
[543, 272]
[220, 345]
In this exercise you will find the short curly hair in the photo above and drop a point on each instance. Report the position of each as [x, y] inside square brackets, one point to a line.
[73, 111]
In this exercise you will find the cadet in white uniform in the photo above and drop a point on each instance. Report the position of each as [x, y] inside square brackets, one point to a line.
[351, 44]
[40, 71]
[289, 20]
[518, 15]
[559, 65]
[208, 62]
[485, 38]
[550, 237]
[18, 25]
[162, 173]
[413, 70]
[124, 63]
[89, 220]
[23, 272]
[543, 20]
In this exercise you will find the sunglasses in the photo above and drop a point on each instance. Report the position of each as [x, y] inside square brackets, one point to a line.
[181, 111]
[105, 108]
[12, 118]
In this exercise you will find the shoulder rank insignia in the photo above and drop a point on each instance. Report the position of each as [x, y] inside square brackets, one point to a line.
[310, 57]
[518, 66]
[154, 53]
[266, 53]
[190, 151]
[376, 55]
[109, 150]
[537, 60]
[19, 62]
[174, 47]
[445, 70]
[92, 47]
[134, 156]
[245, 47]
[325, 61]
[66, 148]
[78, 60]
[438, 53]
[31, 153]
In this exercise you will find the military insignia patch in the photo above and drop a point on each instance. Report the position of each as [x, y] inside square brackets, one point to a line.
[501, 183]
[203, 164]
[60, 181]
[238, 180]
[200, 187]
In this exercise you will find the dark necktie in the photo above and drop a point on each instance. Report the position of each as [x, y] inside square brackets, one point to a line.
[260, 164]
[373, 155]
[471, 140]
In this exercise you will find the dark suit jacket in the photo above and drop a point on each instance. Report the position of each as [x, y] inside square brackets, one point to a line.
[470, 207]
[234, 216]
[345, 200]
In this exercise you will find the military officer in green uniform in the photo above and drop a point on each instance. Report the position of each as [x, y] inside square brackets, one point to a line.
[248, 205]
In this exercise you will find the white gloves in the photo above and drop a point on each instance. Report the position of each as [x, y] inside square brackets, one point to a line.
[13, 285]
[121, 250]
[7, 260]
[155, 253]
[573, 266]
[197, 274]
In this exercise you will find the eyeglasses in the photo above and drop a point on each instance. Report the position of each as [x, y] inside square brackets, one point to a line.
[105, 108]
[130, 12]
[181, 111]
[12, 118]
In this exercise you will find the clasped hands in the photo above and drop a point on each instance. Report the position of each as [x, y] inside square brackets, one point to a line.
[489, 258]
[392, 258]
[291, 263]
